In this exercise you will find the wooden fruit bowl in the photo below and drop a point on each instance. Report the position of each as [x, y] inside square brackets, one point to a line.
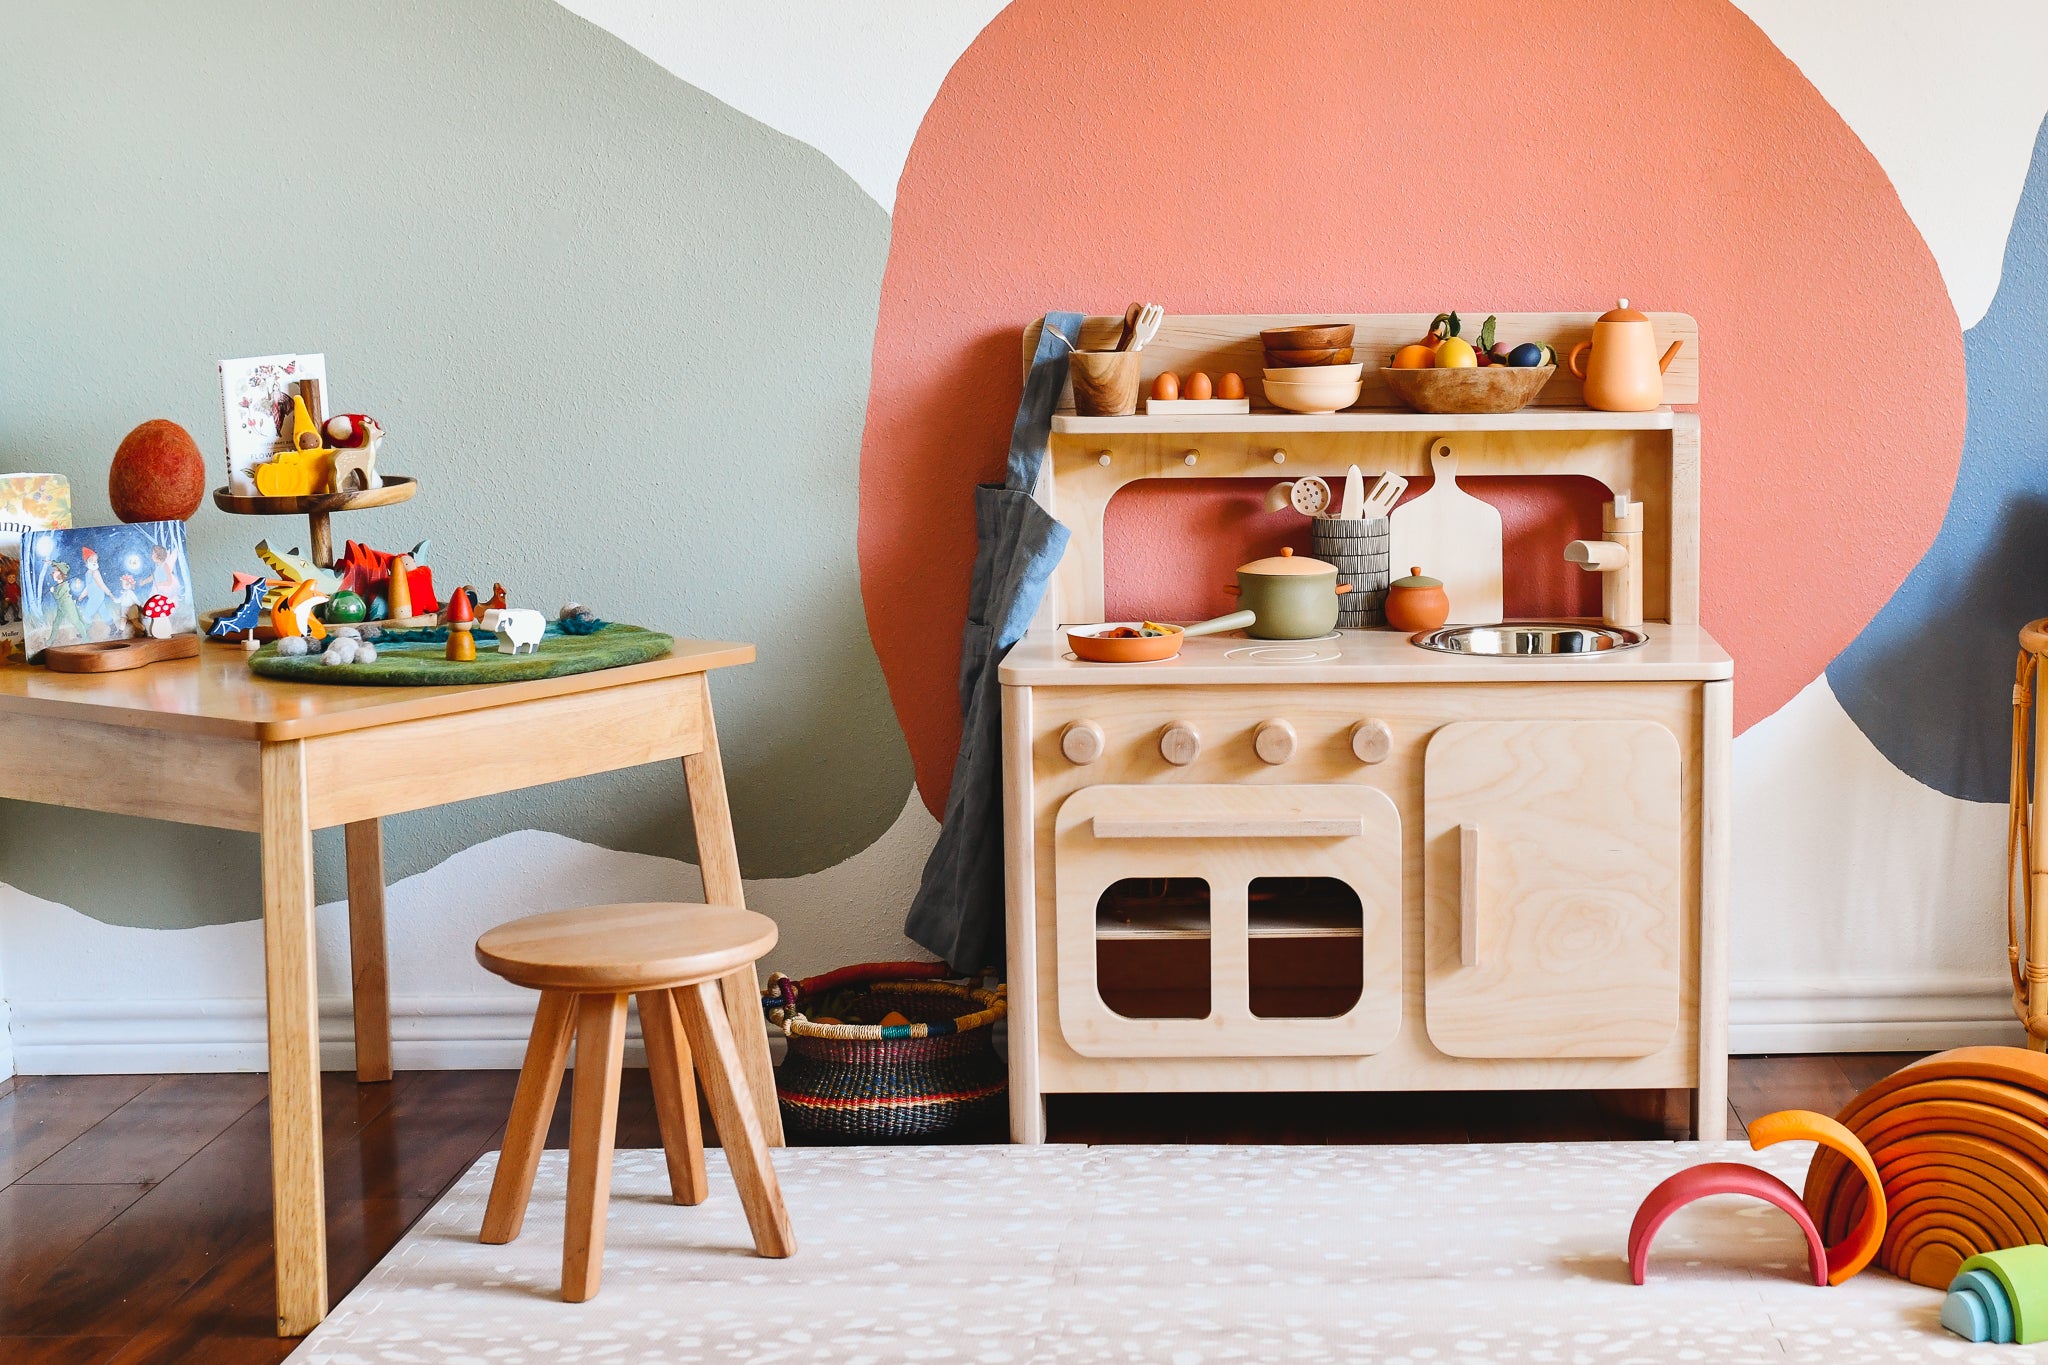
[1494, 388]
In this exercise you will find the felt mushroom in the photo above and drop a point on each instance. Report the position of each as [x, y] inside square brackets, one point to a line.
[156, 616]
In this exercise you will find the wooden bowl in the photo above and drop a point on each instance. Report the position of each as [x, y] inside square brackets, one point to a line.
[1494, 388]
[1332, 335]
[1317, 397]
[1323, 355]
[1314, 374]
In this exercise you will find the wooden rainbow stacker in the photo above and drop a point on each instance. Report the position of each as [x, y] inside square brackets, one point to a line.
[1353, 863]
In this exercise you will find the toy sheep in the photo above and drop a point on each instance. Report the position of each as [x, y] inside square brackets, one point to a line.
[519, 630]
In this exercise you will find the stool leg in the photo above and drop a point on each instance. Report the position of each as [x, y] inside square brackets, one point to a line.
[533, 1105]
[593, 1120]
[739, 1122]
[675, 1096]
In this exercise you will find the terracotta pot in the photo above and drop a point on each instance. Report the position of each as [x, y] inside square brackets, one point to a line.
[1417, 603]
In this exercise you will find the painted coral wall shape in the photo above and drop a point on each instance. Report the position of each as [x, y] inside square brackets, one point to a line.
[1552, 158]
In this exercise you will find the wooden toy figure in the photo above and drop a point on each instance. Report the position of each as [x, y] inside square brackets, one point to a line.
[293, 616]
[243, 621]
[461, 622]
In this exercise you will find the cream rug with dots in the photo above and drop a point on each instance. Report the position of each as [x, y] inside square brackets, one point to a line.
[1487, 1253]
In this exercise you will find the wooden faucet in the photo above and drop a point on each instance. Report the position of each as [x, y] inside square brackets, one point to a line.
[1619, 558]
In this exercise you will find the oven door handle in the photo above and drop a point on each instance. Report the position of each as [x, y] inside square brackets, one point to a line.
[1468, 895]
[1224, 827]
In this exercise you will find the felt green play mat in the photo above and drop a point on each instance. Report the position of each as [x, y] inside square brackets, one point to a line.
[419, 659]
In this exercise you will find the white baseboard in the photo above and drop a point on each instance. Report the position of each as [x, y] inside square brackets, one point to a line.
[1923, 1014]
[455, 1032]
[428, 1033]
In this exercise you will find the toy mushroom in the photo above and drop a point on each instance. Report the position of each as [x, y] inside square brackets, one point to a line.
[156, 616]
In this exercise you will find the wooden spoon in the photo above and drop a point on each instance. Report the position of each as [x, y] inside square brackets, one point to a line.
[1130, 331]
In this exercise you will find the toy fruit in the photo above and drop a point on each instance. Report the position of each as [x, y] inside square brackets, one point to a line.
[158, 474]
[1455, 353]
[1417, 603]
[347, 608]
[1526, 356]
[1414, 356]
[1230, 385]
[1198, 387]
[1166, 387]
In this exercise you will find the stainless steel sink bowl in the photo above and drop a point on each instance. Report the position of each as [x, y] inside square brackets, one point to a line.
[1530, 639]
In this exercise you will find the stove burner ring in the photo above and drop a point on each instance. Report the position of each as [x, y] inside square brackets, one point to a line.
[1297, 652]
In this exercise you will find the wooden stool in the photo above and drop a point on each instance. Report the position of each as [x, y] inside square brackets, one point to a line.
[585, 963]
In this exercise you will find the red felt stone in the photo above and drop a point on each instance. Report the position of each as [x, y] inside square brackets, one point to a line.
[158, 474]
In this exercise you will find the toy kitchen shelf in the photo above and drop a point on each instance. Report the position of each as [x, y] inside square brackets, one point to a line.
[1449, 872]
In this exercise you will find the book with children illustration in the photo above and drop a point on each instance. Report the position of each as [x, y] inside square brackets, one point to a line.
[28, 502]
[91, 583]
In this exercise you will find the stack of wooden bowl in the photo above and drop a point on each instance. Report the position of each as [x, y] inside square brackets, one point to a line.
[1309, 369]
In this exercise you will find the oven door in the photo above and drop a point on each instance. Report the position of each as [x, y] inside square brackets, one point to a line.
[1228, 921]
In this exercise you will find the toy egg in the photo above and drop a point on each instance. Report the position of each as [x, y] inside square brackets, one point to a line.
[1417, 603]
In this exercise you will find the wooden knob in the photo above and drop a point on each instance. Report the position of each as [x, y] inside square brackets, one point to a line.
[1372, 741]
[1179, 744]
[1082, 742]
[1274, 741]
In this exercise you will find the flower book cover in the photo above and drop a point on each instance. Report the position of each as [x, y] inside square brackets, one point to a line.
[256, 406]
[28, 502]
[91, 583]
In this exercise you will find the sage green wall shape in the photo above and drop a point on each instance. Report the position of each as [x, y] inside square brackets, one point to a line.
[620, 331]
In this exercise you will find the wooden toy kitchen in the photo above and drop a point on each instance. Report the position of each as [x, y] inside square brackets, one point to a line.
[1352, 862]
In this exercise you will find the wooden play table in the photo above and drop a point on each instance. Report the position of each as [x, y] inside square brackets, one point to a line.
[204, 742]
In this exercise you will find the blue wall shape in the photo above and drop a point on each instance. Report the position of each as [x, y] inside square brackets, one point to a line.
[1929, 680]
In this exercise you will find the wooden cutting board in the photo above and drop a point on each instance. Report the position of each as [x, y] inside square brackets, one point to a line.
[1452, 536]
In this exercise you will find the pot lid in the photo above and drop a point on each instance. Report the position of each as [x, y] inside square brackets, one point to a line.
[1416, 579]
[1287, 562]
[1621, 312]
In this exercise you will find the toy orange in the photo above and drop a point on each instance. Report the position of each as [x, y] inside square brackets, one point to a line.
[1414, 356]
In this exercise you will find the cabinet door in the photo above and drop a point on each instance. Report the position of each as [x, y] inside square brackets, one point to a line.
[1553, 905]
[1226, 842]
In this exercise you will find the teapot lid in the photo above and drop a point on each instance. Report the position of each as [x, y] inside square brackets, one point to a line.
[1621, 312]
[1416, 579]
[1287, 562]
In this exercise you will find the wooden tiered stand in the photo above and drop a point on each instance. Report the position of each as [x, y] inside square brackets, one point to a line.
[1538, 848]
[317, 508]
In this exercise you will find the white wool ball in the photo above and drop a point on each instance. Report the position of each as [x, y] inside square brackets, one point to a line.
[292, 646]
[568, 610]
[367, 654]
[340, 650]
[345, 633]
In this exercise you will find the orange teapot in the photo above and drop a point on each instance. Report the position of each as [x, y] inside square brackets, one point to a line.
[1623, 374]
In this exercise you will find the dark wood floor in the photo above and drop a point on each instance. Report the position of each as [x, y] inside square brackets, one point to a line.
[135, 1210]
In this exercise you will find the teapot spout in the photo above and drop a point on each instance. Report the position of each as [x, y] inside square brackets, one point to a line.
[1665, 363]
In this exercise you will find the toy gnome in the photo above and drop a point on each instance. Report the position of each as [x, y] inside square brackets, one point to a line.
[461, 622]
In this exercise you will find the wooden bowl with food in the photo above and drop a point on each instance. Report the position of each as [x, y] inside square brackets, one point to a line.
[1490, 388]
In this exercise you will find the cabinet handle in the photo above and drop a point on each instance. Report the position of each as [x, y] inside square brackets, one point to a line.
[1468, 895]
[1298, 827]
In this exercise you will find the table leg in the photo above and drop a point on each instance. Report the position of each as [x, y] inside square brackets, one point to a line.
[366, 950]
[298, 1198]
[719, 859]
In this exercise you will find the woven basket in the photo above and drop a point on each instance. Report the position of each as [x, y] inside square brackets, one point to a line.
[930, 1078]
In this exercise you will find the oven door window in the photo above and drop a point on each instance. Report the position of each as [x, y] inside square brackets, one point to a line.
[1228, 920]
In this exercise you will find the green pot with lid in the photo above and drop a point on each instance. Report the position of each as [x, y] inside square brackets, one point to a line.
[1290, 596]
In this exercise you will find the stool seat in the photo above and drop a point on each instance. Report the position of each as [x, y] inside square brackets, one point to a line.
[625, 948]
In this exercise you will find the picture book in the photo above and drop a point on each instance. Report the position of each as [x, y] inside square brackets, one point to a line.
[90, 583]
[28, 502]
[256, 407]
